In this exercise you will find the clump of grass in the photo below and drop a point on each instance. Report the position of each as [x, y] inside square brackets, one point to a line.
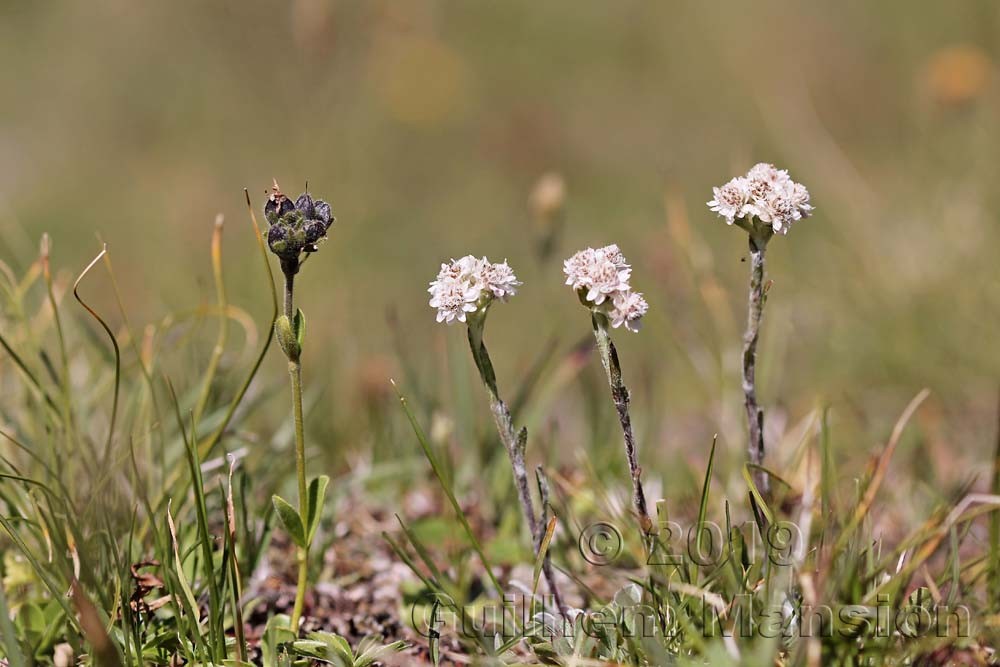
[116, 545]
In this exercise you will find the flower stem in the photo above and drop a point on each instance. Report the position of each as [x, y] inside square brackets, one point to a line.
[620, 396]
[515, 444]
[295, 373]
[755, 415]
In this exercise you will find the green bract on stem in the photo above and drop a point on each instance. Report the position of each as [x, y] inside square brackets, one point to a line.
[764, 202]
[297, 228]
[601, 279]
[464, 291]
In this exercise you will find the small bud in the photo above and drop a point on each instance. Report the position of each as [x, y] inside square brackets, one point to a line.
[285, 241]
[314, 231]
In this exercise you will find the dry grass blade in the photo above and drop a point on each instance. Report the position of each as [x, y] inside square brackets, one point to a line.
[105, 653]
[220, 343]
[881, 468]
[114, 343]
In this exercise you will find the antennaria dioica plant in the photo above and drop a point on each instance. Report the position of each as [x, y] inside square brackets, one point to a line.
[601, 280]
[296, 229]
[764, 202]
[464, 291]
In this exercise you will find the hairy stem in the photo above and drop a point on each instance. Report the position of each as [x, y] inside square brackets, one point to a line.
[515, 443]
[755, 415]
[295, 373]
[620, 397]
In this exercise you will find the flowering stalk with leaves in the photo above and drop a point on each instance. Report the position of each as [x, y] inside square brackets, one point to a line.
[463, 292]
[764, 202]
[601, 280]
[296, 229]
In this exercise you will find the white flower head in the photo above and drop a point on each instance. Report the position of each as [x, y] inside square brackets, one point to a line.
[629, 307]
[469, 285]
[732, 200]
[601, 277]
[601, 272]
[765, 193]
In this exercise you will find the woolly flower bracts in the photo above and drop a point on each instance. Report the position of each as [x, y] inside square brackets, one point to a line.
[469, 285]
[601, 279]
[766, 193]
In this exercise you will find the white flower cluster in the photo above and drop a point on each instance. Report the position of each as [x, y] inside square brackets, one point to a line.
[601, 277]
[766, 193]
[469, 284]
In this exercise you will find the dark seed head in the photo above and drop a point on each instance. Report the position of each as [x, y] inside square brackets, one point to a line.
[295, 227]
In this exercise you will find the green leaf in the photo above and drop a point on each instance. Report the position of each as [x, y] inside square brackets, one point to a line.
[755, 492]
[286, 336]
[189, 601]
[371, 650]
[703, 506]
[317, 491]
[299, 327]
[277, 633]
[326, 647]
[10, 640]
[290, 519]
[335, 642]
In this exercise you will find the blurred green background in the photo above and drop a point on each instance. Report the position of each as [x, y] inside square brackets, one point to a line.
[427, 124]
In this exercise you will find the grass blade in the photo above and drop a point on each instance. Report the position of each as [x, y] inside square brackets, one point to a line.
[439, 473]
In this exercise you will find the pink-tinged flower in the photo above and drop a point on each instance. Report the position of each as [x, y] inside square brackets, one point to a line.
[601, 273]
[601, 277]
[765, 193]
[629, 308]
[732, 200]
[468, 285]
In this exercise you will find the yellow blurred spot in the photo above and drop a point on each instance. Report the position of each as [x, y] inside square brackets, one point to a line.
[548, 196]
[957, 75]
[418, 79]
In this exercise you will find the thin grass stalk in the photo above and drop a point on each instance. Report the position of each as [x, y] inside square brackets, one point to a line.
[220, 342]
[118, 354]
[515, 443]
[620, 397]
[439, 473]
[63, 355]
[216, 639]
[755, 415]
[236, 586]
